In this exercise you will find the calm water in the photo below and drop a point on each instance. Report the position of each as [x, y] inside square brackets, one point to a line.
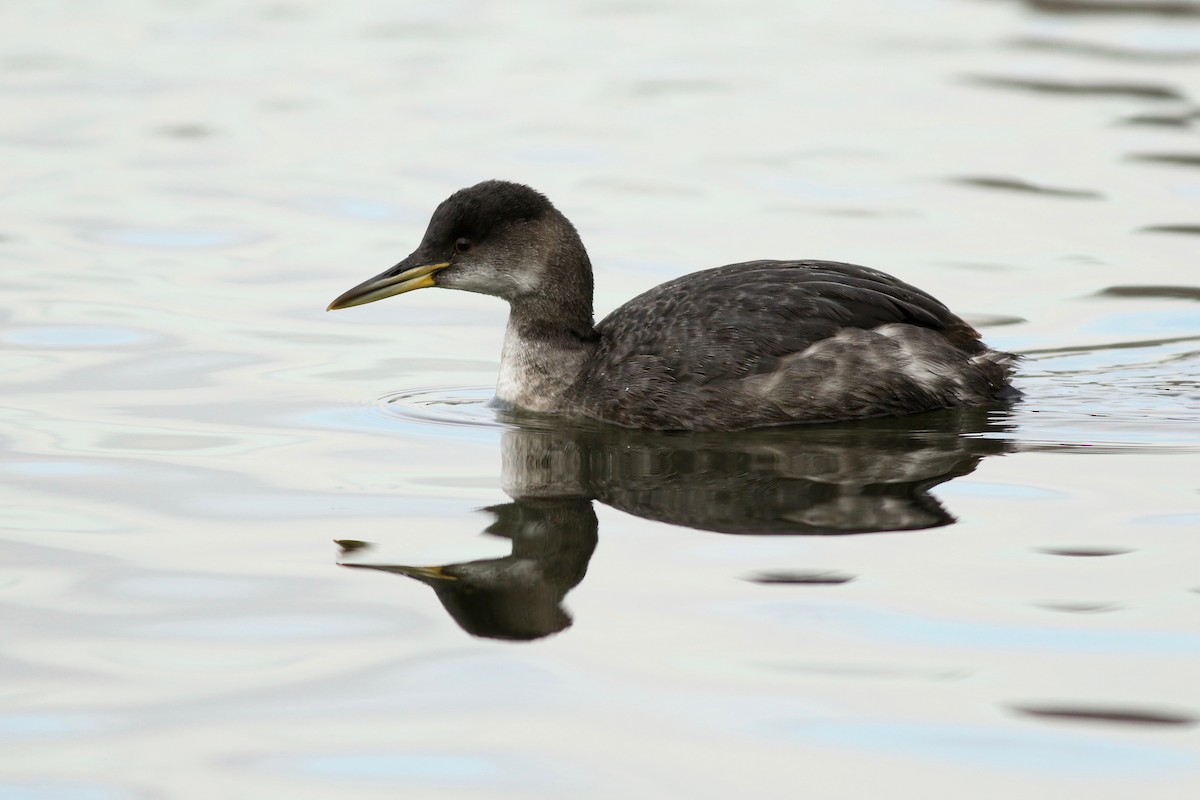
[982, 605]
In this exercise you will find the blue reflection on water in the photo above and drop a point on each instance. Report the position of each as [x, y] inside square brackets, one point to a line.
[22, 726]
[1005, 491]
[405, 421]
[877, 623]
[496, 772]
[427, 766]
[995, 748]
[1160, 320]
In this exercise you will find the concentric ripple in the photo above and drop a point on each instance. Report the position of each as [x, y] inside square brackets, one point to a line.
[460, 406]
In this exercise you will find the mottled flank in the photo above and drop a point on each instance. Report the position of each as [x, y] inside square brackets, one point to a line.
[740, 346]
[772, 342]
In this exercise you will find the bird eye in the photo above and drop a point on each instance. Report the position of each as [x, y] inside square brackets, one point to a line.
[462, 245]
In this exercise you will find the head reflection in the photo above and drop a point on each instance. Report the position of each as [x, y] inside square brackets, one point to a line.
[519, 596]
[852, 478]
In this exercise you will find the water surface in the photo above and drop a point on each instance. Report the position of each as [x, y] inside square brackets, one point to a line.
[979, 604]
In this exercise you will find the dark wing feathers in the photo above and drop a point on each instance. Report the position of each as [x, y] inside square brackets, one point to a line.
[741, 318]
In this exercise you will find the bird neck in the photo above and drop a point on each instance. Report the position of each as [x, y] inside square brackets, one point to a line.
[543, 356]
[550, 334]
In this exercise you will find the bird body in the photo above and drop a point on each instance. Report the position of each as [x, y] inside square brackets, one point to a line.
[740, 346]
[772, 342]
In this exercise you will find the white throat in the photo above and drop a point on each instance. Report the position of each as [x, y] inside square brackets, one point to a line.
[534, 375]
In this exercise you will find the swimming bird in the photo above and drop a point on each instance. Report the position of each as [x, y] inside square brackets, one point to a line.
[740, 346]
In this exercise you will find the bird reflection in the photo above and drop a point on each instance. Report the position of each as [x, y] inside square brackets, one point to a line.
[851, 478]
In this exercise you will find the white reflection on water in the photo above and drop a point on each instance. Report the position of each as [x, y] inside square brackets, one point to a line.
[167, 238]
[80, 336]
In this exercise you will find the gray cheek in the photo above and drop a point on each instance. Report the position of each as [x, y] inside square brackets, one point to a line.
[476, 276]
[489, 277]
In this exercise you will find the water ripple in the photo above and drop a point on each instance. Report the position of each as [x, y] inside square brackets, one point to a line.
[1097, 50]
[1018, 185]
[1192, 230]
[1122, 715]
[1116, 397]
[468, 406]
[1165, 8]
[1146, 91]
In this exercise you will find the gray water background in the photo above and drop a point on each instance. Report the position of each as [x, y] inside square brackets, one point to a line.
[186, 185]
